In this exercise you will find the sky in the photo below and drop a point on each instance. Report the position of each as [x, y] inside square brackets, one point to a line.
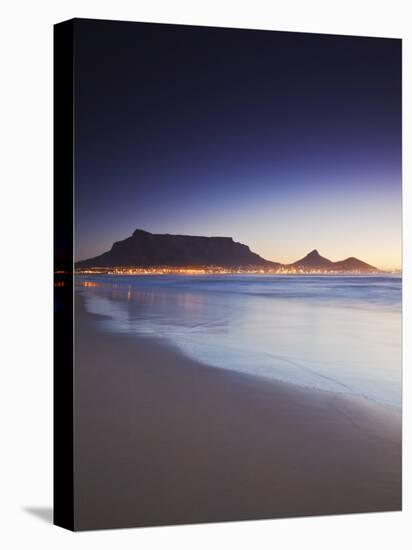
[284, 141]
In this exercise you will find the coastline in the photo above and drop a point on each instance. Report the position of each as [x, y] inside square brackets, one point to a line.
[162, 439]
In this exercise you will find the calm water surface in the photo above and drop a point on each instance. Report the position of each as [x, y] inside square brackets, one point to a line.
[335, 333]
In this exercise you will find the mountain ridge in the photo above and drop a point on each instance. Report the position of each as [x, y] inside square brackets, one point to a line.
[149, 250]
[313, 260]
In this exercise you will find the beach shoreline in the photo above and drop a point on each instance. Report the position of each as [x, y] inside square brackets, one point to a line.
[163, 439]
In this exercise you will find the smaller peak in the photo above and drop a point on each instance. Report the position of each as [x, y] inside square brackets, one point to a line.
[314, 252]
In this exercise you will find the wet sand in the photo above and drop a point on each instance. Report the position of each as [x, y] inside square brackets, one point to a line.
[161, 439]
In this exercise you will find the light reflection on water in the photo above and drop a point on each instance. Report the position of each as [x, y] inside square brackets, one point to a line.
[336, 333]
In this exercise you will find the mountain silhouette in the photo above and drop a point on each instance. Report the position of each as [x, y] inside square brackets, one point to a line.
[146, 249]
[314, 261]
[353, 264]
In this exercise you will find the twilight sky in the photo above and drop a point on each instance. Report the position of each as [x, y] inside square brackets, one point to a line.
[284, 141]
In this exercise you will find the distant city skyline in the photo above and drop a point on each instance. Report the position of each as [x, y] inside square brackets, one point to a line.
[285, 142]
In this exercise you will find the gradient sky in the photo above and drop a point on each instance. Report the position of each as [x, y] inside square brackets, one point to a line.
[284, 141]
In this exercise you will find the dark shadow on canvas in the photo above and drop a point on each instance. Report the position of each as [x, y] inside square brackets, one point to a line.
[43, 513]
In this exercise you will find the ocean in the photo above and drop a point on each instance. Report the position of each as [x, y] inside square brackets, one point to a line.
[334, 333]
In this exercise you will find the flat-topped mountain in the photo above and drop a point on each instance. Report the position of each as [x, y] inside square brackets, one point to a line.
[149, 250]
[314, 261]
[146, 249]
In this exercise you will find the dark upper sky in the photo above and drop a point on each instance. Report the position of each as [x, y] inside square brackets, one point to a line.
[283, 141]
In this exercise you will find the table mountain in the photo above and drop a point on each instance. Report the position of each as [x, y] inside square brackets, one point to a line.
[146, 249]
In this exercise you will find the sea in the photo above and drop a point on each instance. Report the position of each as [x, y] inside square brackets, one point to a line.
[333, 333]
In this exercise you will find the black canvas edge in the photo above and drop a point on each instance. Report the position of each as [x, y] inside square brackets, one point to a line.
[63, 371]
[199, 26]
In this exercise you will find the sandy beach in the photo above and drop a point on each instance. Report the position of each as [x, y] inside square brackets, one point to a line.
[161, 439]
